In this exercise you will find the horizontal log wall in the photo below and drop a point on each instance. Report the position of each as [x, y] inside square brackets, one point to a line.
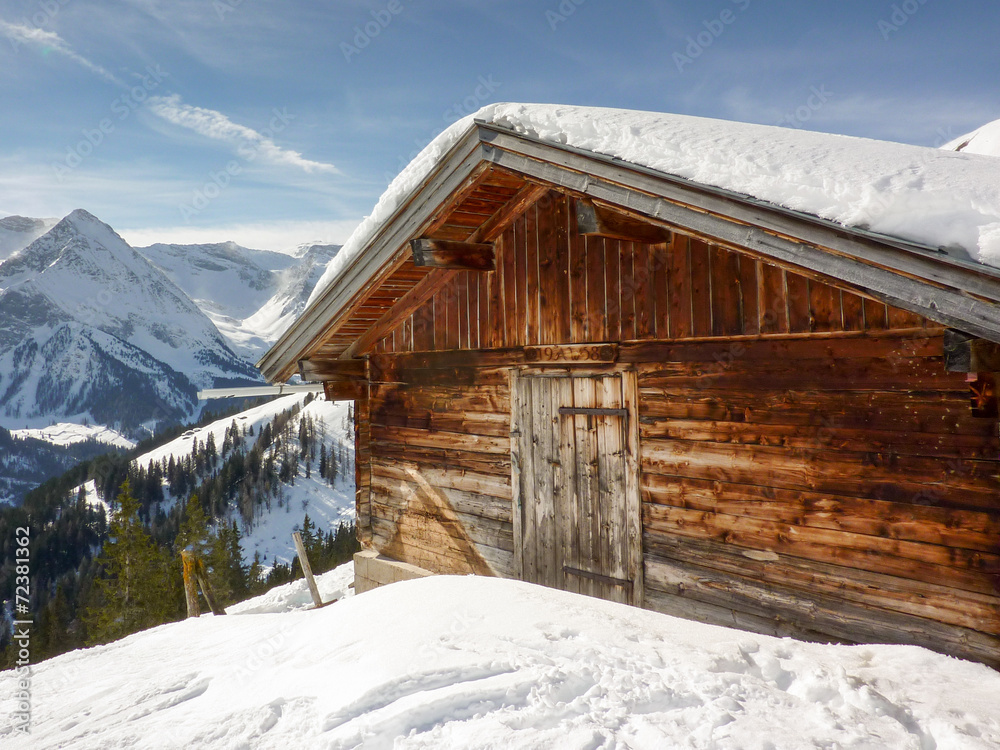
[440, 470]
[822, 489]
[554, 286]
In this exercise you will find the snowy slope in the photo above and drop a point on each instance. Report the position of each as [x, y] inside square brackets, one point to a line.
[250, 295]
[984, 141]
[90, 329]
[327, 506]
[920, 194]
[467, 662]
[17, 232]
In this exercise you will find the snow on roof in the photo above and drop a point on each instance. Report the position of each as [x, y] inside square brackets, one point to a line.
[984, 141]
[471, 662]
[924, 195]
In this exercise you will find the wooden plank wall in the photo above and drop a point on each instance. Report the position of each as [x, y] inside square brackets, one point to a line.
[441, 473]
[835, 487]
[554, 286]
[808, 466]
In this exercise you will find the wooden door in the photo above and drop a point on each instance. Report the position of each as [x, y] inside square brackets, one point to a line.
[577, 523]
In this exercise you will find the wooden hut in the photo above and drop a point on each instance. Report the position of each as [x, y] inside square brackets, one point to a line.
[594, 376]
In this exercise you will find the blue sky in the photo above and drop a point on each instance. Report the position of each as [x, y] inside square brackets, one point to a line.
[275, 122]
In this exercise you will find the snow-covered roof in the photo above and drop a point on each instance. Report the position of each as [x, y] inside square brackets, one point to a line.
[984, 141]
[930, 196]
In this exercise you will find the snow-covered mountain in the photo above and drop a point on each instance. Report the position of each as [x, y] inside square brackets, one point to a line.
[91, 330]
[17, 232]
[252, 296]
[984, 140]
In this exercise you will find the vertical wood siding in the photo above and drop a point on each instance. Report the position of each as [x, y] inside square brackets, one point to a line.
[554, 286]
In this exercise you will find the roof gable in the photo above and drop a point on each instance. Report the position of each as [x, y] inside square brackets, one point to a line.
[490, 172]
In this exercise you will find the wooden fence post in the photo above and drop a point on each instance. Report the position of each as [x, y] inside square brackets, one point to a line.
[190, 592]
[195, 574]
[206, 587]
[307, 569]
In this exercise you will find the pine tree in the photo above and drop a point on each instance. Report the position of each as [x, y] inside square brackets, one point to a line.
[137, 587]
[225, 563]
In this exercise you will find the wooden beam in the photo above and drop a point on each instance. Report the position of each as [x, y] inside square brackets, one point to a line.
[335, 370]
[428, 287]
[493, 226]
[571, 353]
[346, 390]
[964, 352]
[598, 221]
[464, 256]
[406, 306]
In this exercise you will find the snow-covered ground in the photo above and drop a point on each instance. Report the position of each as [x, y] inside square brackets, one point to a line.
[333, 585]
[68, 433]
[467, 662]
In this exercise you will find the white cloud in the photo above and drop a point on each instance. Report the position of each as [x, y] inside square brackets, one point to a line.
[49, 40]
[280, 236]
[249, 143]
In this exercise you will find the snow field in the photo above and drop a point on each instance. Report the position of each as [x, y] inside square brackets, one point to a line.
[468, 662]
[67, 433]
[333, 585]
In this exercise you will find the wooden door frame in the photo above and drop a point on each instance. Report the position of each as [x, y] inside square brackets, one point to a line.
[523, 464]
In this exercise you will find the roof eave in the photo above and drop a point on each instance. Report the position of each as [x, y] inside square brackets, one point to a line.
[414, 213]
[731, 217]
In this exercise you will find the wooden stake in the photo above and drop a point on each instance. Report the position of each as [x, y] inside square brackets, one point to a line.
[307, 569]
[190, 592]
[206, 587]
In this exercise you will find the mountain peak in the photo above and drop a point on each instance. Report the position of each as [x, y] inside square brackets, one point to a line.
[81, 213]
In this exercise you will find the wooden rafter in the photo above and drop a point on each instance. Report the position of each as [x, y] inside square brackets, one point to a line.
[332, 370]
[406, 306]
[467, 256]
[966, 353]
[597, 221]
[428, 287]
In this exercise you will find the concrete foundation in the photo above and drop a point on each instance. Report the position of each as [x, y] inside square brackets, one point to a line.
[372, 570]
